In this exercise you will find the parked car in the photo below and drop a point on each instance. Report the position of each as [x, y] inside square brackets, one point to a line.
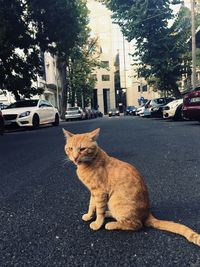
[154, 107]
[30, 113]
[173, 110]
[88, 113]
[100, 114]
[140, 110]
[2, 125]
[3, 106]
[113, 112]
[191, 105]
[96, 113]
[75, 113]
[130, 110]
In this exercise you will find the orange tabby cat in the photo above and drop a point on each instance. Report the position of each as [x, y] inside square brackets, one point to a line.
[117, 189]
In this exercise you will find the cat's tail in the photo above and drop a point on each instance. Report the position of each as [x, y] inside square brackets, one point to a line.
[173, 227]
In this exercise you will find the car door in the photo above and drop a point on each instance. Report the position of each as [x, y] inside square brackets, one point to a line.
[50, 112]
[43, 112]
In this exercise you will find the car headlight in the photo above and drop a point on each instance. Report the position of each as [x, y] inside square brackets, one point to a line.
[155, 109]
[24, 114]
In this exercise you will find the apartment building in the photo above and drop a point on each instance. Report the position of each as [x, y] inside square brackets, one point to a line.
[101, 28]
[50, 81]
[116, 52]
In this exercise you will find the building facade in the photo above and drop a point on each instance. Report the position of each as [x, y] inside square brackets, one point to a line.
[117, 52]
[50, 81]
[101, 28]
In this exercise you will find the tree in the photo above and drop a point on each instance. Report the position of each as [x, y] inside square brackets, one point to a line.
[28, 28]
[83, 61]
[62, 25]
[19, 56]
[159, 47]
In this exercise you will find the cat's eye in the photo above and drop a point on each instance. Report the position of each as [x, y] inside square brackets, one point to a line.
[82, 148]
[70, 148]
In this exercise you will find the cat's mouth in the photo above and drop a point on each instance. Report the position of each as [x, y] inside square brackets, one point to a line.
[77, 161]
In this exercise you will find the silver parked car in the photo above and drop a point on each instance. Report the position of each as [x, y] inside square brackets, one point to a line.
[74, 113]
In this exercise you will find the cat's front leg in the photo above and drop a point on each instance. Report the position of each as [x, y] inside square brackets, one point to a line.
[101, 205]
[91, 210]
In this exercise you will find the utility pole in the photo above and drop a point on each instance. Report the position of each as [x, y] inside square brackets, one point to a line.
[193, 44]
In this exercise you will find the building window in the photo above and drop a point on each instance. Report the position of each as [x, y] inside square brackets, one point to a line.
[105, 64]
[144, 88]
[105, 77]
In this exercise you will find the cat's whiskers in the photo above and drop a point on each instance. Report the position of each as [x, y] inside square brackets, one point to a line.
[66, 161]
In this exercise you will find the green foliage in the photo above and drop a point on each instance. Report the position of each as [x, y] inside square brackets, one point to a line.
[160, 48]
[83, 61]
[29, 27]
[17, 69]
[198, 57]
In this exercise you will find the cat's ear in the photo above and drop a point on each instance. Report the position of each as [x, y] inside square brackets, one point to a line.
[67, 134]
[94, 134]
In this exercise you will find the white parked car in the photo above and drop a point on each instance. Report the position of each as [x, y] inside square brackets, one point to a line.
[140, 110]
[173, 110]
[153, 108]
[31, 113]
[75, 113]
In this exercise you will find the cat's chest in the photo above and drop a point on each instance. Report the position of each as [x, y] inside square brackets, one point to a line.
[90, 177]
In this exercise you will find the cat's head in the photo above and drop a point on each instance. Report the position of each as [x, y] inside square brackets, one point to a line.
[81, 148]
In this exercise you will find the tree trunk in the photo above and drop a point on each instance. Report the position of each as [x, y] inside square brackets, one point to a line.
[176, 91]
[17, 96]
[62, 68]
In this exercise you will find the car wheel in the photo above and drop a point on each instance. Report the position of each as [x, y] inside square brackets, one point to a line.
[2, 126]
[56, 122]
[35, 121]
[178, 114]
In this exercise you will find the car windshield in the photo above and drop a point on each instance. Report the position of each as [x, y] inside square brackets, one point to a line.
[72, 109]
[23, 104]
[130, 107]
[160, 101]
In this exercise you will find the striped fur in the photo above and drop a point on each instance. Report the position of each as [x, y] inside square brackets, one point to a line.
[117, 189]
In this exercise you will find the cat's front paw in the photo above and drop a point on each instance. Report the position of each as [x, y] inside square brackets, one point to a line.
[95, 226]
[86, 217]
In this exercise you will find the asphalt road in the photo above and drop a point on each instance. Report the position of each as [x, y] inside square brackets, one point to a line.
[42, 201]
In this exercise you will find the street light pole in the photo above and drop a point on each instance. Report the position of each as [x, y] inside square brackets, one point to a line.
[193, 44]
